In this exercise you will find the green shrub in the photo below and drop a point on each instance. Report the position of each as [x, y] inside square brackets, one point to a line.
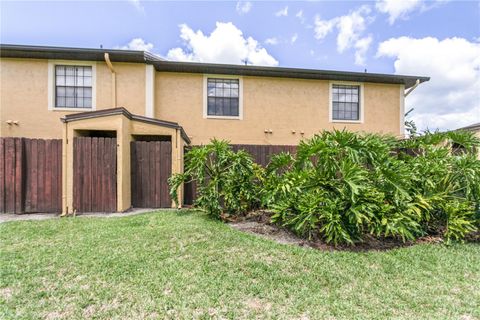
[226, 180]
[341, 186]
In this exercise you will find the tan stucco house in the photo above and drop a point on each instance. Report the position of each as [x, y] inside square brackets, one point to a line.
[475, 128]
[190, 103]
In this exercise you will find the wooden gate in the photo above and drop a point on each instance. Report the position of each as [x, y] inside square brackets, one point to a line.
[30, 175]
[151, 167]
[94, 174]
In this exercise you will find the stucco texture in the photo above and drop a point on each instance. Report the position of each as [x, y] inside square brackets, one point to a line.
[24, 96]
[292, 109]
[276, 104]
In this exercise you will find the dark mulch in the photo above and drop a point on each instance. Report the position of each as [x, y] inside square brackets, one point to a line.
[258, 222]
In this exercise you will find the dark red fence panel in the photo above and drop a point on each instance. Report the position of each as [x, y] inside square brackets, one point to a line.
[11, 175]
[43, 175]
[94, 174]
[151, 166]
[30, 175]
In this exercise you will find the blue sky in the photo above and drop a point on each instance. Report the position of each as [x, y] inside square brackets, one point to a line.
[440, 39]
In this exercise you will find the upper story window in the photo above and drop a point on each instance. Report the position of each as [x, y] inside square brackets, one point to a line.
[223, 97]
[346, 102]
[73, 86]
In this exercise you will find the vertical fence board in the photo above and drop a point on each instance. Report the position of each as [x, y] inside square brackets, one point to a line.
[10, 175]
[158, 172]
[151, 167]
[19, 176]
[30, 175]
[95, 174]
[167, 167]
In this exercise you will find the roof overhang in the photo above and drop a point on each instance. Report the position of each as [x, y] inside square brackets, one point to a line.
[258, 71]
[63, 53]
[124, 112]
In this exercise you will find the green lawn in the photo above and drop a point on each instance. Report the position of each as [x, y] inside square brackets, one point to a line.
[182, 265]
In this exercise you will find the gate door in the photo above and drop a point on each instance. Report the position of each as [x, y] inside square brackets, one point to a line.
[94, 174]
[151, 167]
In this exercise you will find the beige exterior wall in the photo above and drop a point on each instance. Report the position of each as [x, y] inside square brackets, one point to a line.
[125, 129]
[287, 107]
[281, 105]
[24, 95]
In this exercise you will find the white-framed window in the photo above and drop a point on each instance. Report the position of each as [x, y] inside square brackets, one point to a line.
[71, 85]
[223, 97]
[346, 102]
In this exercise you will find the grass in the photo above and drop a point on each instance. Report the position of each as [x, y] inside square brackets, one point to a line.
[182, 265]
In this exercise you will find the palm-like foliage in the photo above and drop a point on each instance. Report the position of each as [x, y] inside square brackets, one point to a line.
[341, 186]
[344, 185]
[225, 179]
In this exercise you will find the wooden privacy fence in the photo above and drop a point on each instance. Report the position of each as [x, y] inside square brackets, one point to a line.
[30, 175]
[94, 174]
[261, 155]
[151, 166]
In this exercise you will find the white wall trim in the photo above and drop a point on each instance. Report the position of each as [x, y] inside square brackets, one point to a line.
[205, 96]
[51, 83]
[330, 101]
[149, 90]
[402, 111]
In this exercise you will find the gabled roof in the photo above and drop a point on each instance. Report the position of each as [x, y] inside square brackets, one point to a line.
[45, 52]
[128, 115]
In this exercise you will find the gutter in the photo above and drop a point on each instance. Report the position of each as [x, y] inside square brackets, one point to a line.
[412, 88]
[114, 79]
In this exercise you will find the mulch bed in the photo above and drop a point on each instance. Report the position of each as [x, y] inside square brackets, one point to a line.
[258, 223]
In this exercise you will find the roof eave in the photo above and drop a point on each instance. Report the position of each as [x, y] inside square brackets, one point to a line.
[209, 68]
[63, 53]
[128, 115]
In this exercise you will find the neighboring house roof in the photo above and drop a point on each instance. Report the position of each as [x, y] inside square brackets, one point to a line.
[472, 127]
[128, 115]
[44, 52]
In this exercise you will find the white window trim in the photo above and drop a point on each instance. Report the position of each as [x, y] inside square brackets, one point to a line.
[52, 84]
[330, 101]
[205, 96]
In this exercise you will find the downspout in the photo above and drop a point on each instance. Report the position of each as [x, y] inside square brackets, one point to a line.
[114, 79]
[412, 88]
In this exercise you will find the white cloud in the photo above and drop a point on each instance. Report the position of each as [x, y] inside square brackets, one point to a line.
[138, 6]
[400, 9]
[243, 7]
[300, 16]
[451, 99]
[226, 44]
[397, 9]
[361, 47]
[294, 38]
[282, 12]
[323, 27]
[350, 29]
[272, 41]
[137, 44]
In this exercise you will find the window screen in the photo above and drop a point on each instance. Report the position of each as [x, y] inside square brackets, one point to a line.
[73, 86]
[223, 97]
[345, 102]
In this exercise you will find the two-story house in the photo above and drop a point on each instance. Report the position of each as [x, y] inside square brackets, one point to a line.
[182, 102]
